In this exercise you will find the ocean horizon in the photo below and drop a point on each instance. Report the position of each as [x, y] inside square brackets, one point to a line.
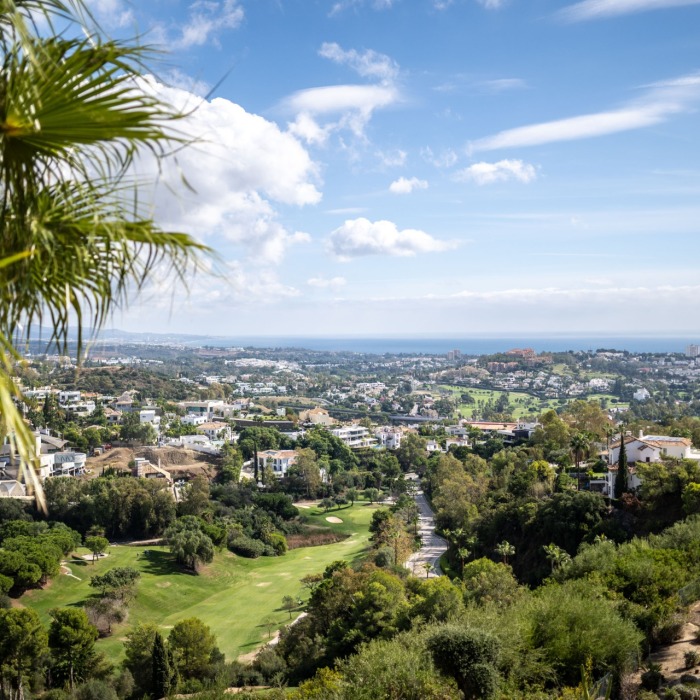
[466, 345]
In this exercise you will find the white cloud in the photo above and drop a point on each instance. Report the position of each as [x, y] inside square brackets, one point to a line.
[207, 17]
[492, 4]
[503, 84]
[236, 168]
[406, 186]
[374, 4]
[446, 159]
[502, 171]
[178, 79]
[442, 4]
[361, 237]
[660, 102]
[392, 159]
[352, 105]
[600, 9]
[368, 64]
[111, 13]
[324, 282]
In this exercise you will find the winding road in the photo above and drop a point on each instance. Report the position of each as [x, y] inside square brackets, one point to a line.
[433, 547]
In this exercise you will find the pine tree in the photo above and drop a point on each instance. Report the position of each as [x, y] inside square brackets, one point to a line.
[622, 471]
[162, 673]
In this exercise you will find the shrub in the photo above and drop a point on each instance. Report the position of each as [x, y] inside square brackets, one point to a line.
[278, 543]
[692, 658]
[247, 547]
[652, 678]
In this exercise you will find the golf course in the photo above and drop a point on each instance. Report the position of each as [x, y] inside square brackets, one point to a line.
[240, 599]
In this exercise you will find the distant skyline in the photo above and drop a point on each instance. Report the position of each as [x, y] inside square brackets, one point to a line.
[369, 167]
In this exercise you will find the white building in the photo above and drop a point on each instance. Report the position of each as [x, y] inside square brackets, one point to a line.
[641, 394]
[354, 436]
[278, 460]
[203, 408]
[68, 463]
[215, 430]
[149, 415]
[653, 448]
[390, 438]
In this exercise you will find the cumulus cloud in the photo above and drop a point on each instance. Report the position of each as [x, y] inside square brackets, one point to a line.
[207, 17]
[660, 102]
[601, 9]
[368, 64]
[502, 171]
[343, 106]
[236, 169]
[361, 237]
[406, 186]
[325, 282]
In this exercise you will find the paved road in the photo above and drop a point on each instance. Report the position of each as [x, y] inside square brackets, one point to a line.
[433, 547]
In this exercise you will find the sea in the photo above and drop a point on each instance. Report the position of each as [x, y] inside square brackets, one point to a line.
[476, 345]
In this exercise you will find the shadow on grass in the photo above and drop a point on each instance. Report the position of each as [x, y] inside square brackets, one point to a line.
[162, 564]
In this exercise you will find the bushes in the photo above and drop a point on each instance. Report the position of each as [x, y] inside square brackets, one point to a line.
[247, 547]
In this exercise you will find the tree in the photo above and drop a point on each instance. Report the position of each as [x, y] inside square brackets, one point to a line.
[162, 671]
[138, 649]
[188, 543]
[557, 556]
[193, 646]
[622, 470]
[289, 603]
[470, 656]
[117, 583]
[97, 545]
[579, 444]
[74, 242]
[23, 642]
[72, 643]
[505, 549]
[352, 495]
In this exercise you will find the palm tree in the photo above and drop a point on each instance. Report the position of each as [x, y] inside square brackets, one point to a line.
[73, 239]
[428, 568]
[505, 549]
[579, 444]
[558, 557]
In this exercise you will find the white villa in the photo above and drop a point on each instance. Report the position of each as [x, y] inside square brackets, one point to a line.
[354, 436]
[279, 460]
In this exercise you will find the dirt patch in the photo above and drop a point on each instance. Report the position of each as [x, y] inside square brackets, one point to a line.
[671, 657]
[262, 584]
[333, 519]
[314, 538]
[164, 584]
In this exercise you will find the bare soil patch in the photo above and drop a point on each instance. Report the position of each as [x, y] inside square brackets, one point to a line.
[333, 519]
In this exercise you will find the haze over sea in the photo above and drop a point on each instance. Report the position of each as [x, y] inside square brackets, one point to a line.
[467, 345]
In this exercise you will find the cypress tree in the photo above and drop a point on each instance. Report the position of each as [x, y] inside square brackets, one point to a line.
[622, 471]
[162, 673]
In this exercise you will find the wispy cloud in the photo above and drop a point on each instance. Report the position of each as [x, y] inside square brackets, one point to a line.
[446, 159]
[601, 9]
[326, 282]
[503, 84]
[407, 185]
[502, 171]
[361, 237]
[661, 101]
[368, 64]
[206, 19]
[347, 4]
[492, 4]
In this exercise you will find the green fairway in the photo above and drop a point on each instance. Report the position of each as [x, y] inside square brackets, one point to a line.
[233, 595]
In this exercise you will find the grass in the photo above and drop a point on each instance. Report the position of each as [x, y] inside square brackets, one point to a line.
[233, 595]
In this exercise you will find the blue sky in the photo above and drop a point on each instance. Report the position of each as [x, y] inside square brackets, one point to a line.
[404, 167]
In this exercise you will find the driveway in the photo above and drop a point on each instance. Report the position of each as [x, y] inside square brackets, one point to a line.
[433, 547]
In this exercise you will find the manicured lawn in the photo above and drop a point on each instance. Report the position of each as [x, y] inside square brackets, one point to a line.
[232, 595]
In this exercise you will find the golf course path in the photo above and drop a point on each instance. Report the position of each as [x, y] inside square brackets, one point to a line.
[433, 545]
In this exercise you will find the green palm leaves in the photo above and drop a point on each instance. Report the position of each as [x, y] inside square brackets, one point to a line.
[74, 240]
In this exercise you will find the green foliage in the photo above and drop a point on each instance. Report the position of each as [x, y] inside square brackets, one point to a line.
[162, 673]
[602, 637]
[190, 546]
[72, 641]
[23, 643]
[622, 469]
[138, 659]
[117, 583]
[97, 545]
[470, 656]
[194, 648]
[485, 581]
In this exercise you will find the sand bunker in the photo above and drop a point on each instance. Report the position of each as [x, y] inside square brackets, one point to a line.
[333, 519]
